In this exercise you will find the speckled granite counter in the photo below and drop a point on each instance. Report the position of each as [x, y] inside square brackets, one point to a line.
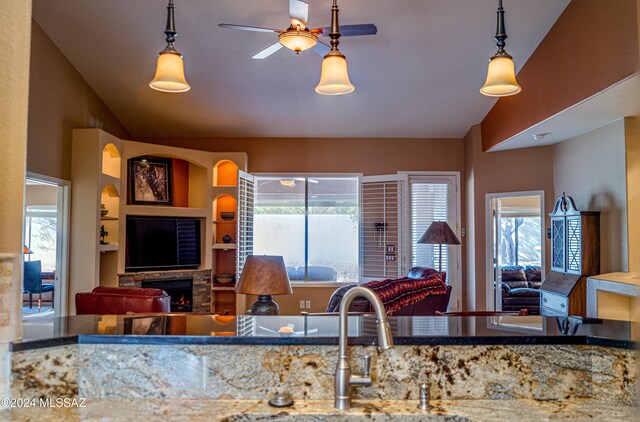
[165, 410]
[532, 368]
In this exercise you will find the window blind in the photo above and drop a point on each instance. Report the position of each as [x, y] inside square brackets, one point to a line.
[429, 203]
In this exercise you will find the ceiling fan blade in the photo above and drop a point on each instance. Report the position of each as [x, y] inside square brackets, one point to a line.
[299, 13]
[268, 51]
[321, 49]
[349, 30]
[247, 28]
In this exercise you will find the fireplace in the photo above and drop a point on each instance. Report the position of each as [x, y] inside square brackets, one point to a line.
[180, 290]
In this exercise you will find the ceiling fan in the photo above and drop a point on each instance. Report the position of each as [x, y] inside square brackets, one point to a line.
[298, 37]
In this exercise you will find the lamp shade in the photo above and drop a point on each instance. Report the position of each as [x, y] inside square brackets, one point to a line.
[334, 77]
[501, 77]
[439, 232]
[264, 275]
[170, 73]
[298, 40]
[27, 251]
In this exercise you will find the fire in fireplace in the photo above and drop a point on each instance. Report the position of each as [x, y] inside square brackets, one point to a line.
[180, 290]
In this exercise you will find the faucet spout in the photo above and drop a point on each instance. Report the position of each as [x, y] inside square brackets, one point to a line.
[343, 377]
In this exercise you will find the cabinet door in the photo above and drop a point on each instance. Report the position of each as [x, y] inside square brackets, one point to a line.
[558, 252]
[573, 245]
[244, 226]
[381, 248]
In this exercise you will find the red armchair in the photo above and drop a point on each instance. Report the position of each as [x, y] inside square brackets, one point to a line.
[120, 300]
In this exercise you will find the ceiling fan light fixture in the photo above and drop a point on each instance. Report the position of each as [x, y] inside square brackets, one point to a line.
[169, 76]
[501, 74]
[298, 40]
[334, 77]
[501, 77]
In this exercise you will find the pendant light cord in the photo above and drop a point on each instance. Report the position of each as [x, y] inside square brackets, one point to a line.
[501, 33]
[335, 28]
[170, 31]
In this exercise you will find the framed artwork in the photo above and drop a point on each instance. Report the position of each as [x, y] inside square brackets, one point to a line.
[145, 325]
[150, 181]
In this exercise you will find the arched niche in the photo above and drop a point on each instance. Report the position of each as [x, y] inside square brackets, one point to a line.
[225, 173]
[111, 160]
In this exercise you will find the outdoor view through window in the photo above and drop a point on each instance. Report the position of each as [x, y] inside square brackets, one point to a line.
[310, 221]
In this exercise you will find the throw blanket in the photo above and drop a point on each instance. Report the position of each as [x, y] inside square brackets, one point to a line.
[396, 293]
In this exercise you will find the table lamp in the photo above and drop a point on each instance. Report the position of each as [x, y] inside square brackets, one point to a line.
[264, 276]
[439, 233]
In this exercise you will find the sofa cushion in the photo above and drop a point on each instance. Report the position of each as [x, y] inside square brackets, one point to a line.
[534, 284]
[526, 292]
[426, 272]
[513, 273]
[533, 272]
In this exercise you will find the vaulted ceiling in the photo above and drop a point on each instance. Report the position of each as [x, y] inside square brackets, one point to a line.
[418, 77]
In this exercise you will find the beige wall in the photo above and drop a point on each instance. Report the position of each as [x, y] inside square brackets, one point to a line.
[497, 172]
[15, 30]
[368, 156]
[591, 169]
[56, 108]
[632, 140]
[290, 304]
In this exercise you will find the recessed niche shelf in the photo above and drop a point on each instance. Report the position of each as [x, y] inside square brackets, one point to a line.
[224, 246]
[112, 247]
[225, 173]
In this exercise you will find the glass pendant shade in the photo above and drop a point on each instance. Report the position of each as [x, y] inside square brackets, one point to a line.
[334, 77]
[501, 77]
[298, 40]
[170, 74]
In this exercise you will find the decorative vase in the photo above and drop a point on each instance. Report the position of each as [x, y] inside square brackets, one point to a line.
[226, 238]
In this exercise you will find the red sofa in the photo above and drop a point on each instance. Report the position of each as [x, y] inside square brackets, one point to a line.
[120, 300]
[425, 307]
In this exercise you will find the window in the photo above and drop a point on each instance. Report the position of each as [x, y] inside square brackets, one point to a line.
[520, 241]
[312, 222]
[40, 235]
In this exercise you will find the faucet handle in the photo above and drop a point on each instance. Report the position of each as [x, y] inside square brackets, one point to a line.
[367, 365]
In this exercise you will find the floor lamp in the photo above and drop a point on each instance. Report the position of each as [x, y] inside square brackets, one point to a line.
[439, 233]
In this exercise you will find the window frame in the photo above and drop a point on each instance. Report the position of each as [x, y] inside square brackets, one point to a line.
[285, 175]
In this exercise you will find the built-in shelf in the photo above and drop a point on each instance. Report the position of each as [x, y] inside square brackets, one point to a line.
[224, 246]
[111, 247]
[108, 217]
[224, 190]
[215, 286]
[166, 211]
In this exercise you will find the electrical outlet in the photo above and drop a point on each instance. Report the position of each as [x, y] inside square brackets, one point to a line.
[308, 304]
[302, 304]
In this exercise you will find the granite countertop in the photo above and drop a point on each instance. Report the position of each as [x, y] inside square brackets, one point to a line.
[163, 410]
[202, 329]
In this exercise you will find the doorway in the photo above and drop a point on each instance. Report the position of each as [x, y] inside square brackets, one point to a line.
[515, 239]
[46, 246]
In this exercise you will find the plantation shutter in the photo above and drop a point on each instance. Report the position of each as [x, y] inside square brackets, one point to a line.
[244, 226]
[381, 249]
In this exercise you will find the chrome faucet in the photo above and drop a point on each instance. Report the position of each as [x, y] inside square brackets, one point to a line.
[343, 377]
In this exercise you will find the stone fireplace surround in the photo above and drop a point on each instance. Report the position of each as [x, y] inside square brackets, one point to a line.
[201, 283]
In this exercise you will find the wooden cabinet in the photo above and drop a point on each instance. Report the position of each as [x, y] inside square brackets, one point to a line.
[575, 254]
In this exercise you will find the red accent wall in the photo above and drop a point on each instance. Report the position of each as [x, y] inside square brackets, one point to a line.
[592, 46]
[180, 183]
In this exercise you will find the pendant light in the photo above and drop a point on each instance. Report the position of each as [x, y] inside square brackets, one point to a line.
[501, 75]
[170, 67]
[334, 77]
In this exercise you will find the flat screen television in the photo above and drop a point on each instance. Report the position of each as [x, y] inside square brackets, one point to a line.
[162, 243]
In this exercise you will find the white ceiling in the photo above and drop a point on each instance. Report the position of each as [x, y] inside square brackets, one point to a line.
[418, 77]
